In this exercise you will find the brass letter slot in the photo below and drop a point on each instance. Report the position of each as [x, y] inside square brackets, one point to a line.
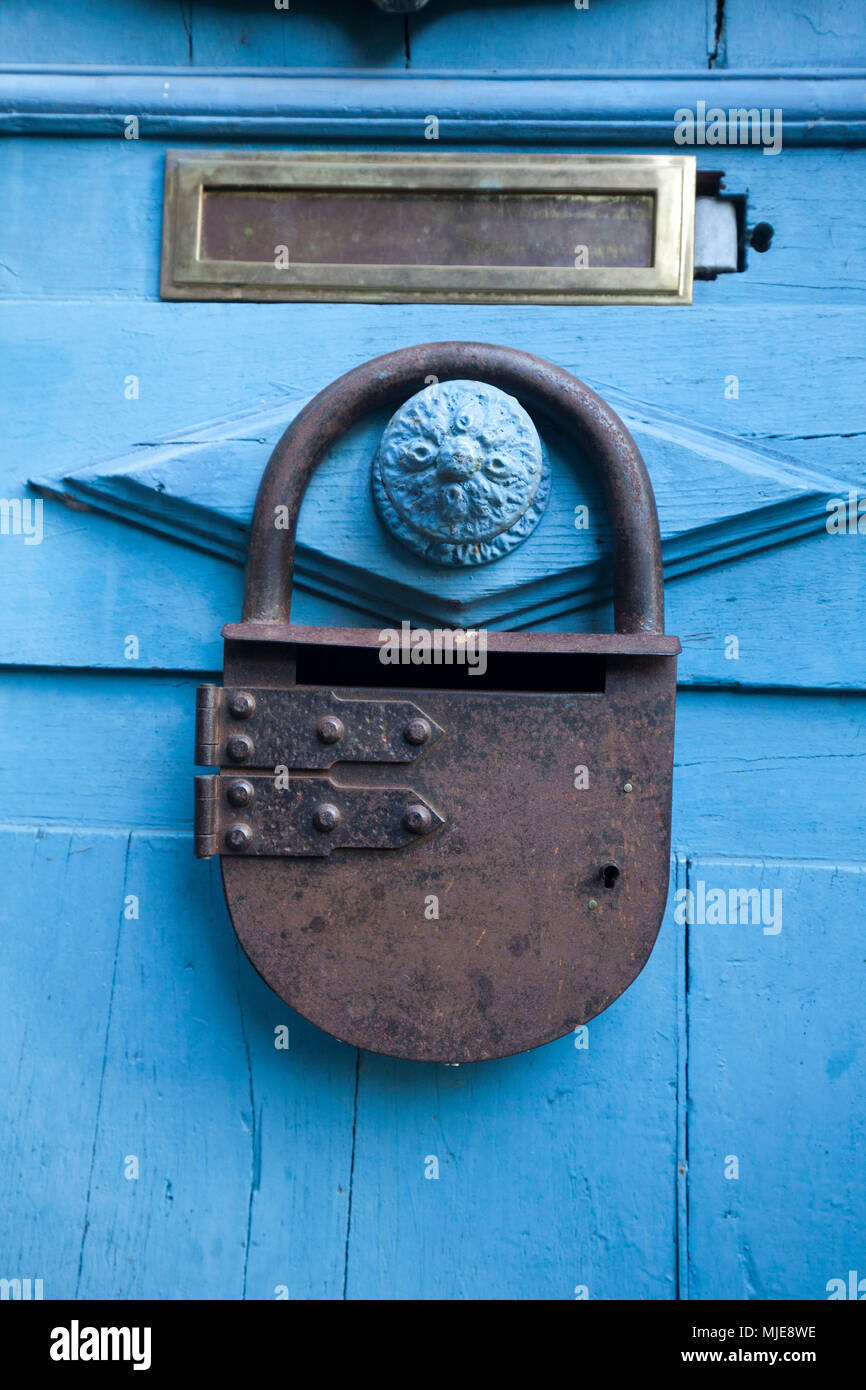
[437, 227]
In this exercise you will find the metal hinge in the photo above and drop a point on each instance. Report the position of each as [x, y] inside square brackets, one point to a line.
[263, 814]
[287, 732]
[305, 728]
[205, 837]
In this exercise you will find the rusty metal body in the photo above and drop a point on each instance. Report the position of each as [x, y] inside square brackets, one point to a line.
[456, 868]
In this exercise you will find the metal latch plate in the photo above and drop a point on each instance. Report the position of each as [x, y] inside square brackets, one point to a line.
[305, 728]
[260, 814]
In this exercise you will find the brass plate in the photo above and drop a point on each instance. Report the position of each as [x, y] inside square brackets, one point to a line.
[439, 227]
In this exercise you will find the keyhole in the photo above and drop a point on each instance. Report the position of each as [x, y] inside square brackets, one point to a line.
[610, 874]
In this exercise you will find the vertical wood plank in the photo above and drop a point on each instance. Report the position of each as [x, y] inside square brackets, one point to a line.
[824, 33]
[61, 910]
[187, 34]
[776, 1082]
[243, 1152]
[156, 1143]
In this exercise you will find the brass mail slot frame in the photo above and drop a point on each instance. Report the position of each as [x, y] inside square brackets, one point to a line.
[669, 180]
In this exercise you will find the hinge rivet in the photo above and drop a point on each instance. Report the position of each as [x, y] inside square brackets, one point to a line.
[417, 819]
[417, 731]
[242, 705]
[238, 836]
[330, 728]
[240, 793]
[326, 817]
[239, 748]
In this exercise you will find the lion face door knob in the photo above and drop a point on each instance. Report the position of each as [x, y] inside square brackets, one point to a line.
[461, 476]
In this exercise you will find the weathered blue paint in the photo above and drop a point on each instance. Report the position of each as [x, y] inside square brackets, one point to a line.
[564, 110]
[265, 1172]
[544, 35]
[719, 498]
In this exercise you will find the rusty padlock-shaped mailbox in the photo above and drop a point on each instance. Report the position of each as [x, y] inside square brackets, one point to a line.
[421, 863]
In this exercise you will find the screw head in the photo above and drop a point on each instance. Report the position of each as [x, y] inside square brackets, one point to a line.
[417, 731]
[238, 836]
[628, 787]
[240, 793]
[417, 818]
[592, 904]
[239, 748]
[242, 705]
[326, 817]
[330, 729]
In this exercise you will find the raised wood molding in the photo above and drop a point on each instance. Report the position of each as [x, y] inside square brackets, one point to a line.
[720, 497]
[385, 106]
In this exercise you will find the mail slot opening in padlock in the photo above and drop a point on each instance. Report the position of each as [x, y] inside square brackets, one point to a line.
[427, 861]
[479, 663]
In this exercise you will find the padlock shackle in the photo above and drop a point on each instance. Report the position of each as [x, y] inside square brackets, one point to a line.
[638, 597]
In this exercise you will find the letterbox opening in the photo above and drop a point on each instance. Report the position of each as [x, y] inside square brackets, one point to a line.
[473, 668]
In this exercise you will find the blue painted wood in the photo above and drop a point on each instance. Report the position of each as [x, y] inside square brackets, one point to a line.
[556, 37]
[816, 257]
[775, 1080]
[161, 1049]
[221, 1207]
[116, 185]
[56, 993]
[151, 1038]
[251, 33]
[822, 34]
[115, 582]
[303, 1171]
[564, 109]
[544, 35]
[718, 499]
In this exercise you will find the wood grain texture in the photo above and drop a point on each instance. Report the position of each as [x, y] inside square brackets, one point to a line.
[90, 584]
[775, 1079]
[545, 36]
[718, 499]
[822, 33]
[55, 1019]
[795, 627]
[528, 1205]
[153, 1038]
[190, 34]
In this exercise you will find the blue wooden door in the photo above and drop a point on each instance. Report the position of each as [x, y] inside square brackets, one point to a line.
[170, 1130]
